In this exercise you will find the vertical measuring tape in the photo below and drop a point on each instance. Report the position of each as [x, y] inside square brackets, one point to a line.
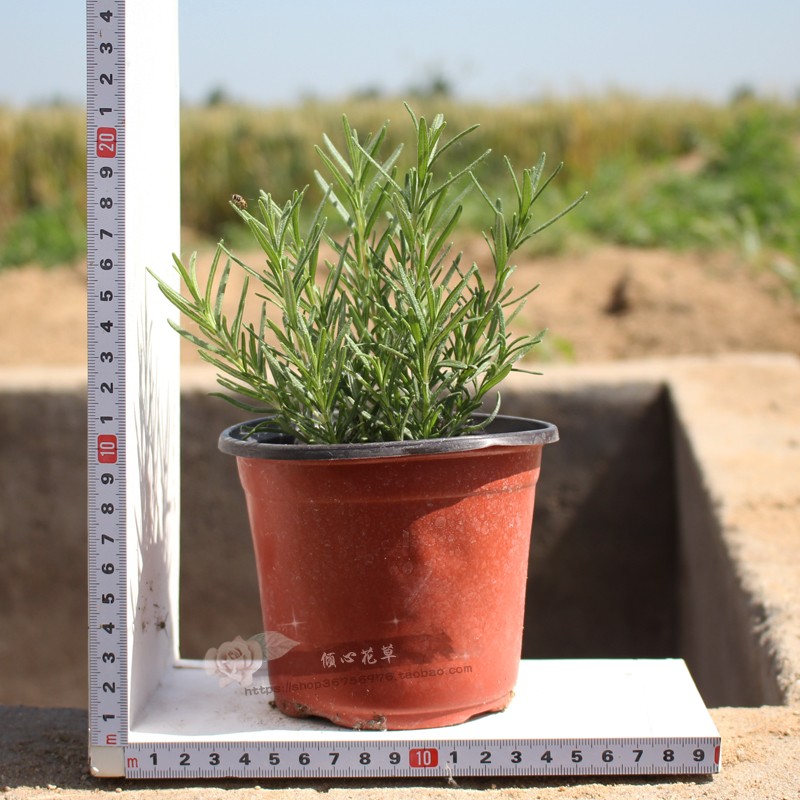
[105, 130]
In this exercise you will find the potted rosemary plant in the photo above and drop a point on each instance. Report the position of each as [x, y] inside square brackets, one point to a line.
[390, 518]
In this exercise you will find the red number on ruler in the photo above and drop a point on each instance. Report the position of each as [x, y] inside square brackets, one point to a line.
[107, 448]
[106, 142]
[424, 757]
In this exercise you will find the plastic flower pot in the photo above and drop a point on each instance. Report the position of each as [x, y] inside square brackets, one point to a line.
[399, 570]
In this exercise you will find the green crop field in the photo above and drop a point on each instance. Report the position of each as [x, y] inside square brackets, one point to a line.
[665, 173]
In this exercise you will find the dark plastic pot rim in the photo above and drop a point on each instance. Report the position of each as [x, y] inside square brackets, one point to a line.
[503, 431]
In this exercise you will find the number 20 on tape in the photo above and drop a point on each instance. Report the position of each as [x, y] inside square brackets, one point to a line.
[106, 143]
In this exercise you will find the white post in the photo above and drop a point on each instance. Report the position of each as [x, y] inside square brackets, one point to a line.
[152, 224]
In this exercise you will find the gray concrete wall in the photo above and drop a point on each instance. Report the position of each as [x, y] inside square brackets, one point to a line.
[720, 625]
[43, 546]
[602, 576]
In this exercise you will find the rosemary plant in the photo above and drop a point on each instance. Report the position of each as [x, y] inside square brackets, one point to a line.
[391, 338]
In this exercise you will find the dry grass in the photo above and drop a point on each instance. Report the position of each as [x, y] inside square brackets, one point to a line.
[625, 150]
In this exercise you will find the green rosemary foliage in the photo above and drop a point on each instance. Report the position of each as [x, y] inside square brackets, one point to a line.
[394, 337]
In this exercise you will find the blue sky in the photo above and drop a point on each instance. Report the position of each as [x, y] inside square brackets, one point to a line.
[277, 52]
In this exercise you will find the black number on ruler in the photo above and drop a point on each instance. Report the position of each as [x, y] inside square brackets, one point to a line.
[106, 16]
[106, 47]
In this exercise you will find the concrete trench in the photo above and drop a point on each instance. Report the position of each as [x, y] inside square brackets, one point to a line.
[656, 532]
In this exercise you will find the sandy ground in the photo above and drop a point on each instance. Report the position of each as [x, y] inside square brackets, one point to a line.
[761, 761]
[609, 303]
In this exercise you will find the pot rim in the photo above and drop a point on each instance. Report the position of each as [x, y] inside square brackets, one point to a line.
[503, 431]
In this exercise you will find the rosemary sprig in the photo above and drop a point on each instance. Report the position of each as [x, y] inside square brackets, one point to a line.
[394, 338]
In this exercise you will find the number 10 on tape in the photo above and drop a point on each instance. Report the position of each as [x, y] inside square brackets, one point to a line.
[106, 448]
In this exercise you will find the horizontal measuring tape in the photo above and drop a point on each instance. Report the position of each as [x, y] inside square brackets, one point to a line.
[404, 759]
[105, 197]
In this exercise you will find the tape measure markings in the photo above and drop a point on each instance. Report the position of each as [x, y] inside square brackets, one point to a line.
[364, 758]
[105, 199]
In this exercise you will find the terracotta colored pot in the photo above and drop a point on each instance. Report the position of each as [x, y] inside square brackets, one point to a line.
[399, 570]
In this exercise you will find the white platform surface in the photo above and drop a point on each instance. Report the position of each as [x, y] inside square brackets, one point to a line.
[555, 699]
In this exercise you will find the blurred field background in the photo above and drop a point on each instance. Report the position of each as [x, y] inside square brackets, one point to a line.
[688, 242]
[661, 173]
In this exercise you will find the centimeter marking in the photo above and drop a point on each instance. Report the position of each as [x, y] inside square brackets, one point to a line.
[105, 197]
[360, 759]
